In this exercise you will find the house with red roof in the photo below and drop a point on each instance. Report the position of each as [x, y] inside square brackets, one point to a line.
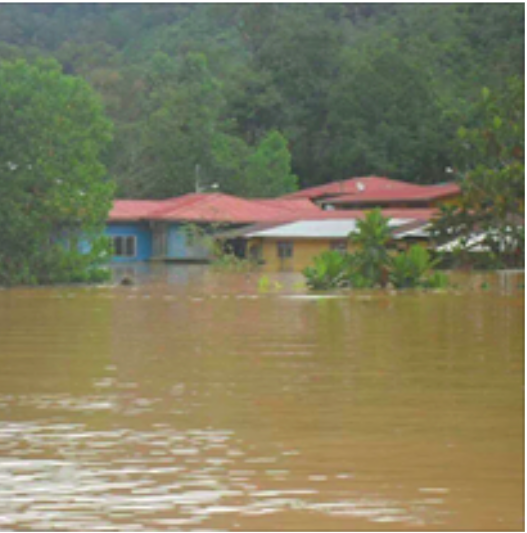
[129, 229]
[168, 229]
[177, 228]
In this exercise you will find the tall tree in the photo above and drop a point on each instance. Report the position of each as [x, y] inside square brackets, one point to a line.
[491, 171]
[180, 130]
[269, 168]
[53, 187]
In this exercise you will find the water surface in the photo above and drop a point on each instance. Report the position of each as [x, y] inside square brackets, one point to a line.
[192, 401]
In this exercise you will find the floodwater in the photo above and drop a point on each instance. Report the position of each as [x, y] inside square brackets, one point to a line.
[192, 401]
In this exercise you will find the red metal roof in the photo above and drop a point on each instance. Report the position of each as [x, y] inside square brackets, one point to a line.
[403, 212]
[428, 193]
[374, 188]
[295, 205]
[130, 210]
[212, 207]
[217, 207]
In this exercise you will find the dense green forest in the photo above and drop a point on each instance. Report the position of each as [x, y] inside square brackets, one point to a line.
[262, 98]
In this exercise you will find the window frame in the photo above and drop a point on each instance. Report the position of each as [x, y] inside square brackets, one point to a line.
[288, 246]
[125, 242]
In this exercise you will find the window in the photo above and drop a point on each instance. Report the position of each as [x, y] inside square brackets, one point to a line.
[284, 249]
[124, 246]
[255, 252]
[339, 246]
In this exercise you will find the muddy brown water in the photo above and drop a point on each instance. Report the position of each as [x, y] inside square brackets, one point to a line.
[192, 401]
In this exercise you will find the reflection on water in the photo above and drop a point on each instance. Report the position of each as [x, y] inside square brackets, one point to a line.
[192, 401]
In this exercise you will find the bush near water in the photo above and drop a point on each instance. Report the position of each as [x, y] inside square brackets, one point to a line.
[372, 264]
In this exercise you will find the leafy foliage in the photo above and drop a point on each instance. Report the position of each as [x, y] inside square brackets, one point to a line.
[268, 169]
[371, 240]
[386, 129]
[53, 193]
[410, 269]
[492, 179]
[372, 265]
[351, 88]
[186, 146]
[331, 270]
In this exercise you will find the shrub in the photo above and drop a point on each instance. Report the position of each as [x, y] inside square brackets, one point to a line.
[371, 257]
[331, 270]
[371, 265]
[408, 269]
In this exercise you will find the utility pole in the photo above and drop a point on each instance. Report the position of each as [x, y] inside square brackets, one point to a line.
[196, 181]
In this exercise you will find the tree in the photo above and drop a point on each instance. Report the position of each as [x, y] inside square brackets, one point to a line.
[180, 130]
[384, 118]
[189, 146]
[492, 177]
[268, 171]
[53, 192]
[355, 88]
[294, 60]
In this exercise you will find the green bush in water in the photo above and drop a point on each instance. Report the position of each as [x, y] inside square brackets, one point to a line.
[409, 269]
[331, 270]
[371, 257]
[372, 265]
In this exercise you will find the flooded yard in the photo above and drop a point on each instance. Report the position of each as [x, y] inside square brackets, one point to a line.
[192, 401]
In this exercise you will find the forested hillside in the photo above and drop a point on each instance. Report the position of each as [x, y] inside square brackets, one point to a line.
[262, 98]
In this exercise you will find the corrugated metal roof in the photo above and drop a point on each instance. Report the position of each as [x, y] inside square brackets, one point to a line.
[406, 194]
[296, 205]
[316, 229]
[415, 229]
[372, 188]
[337, 187]
[218, 207]
[213, 207]
[131, 210]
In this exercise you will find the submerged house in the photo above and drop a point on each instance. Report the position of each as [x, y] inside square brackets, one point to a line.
[185, 227]
[286, 232]
[130, 230]
[291, 246]
[182, 228]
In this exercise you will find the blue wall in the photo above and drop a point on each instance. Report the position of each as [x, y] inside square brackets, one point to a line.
[143, 239]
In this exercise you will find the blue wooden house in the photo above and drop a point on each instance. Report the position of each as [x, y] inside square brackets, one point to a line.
[140, 233]
[130, 230]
